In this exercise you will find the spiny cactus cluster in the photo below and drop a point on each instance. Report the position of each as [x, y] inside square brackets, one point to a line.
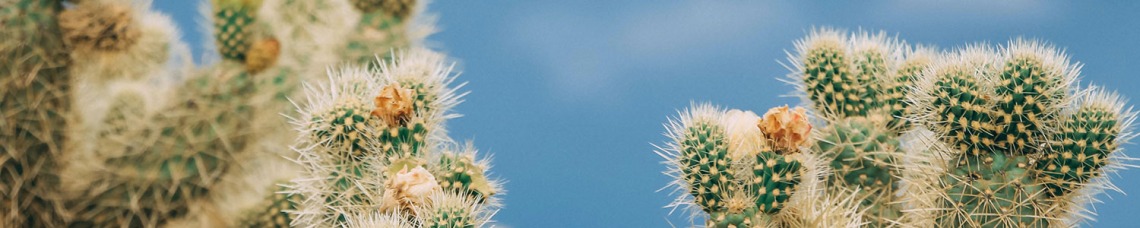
[107, 122]
[857, 84]
[741, 170]
[1001, 116]
[370, 143]
[1023, 145]
[976, 137]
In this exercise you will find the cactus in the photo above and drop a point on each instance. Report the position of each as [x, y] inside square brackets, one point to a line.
[277, 214]
[910, 136]
[109, 123]
[34, 90]
[741, 170]
[866, 85]
[451, 210]
[1026, 146]
[368, 140]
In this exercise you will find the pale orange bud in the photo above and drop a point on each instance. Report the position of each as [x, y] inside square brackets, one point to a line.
[786, 130]
[262, 54]
[394, 104]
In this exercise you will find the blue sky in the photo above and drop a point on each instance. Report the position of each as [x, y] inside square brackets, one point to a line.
[568, 95]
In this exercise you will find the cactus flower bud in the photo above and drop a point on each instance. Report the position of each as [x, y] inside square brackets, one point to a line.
[409, 188]
[744, 138]
[262, 54]
[786, 129]
[394, 104]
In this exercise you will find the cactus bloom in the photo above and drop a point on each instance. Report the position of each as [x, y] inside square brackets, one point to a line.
[744, 137]
[409, 188]
[394, 104]
[786, 129]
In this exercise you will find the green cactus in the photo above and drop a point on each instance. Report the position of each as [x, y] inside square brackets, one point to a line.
[450, 210]
[450, 218]
[460, 173]
[372, 149]
[1083, 146]
[163, 156]
[1016, 159]
[403, 141]
[862, 147]
[744, 218]
[276, 210]
[1027, 90]
[35, 90]
[775, 178]
[829, 81]
[704, 154]
[233, 20]
[162, 170]
[896, 91]
[748, 185]
[995, 190]
[863, 155]
[345, 126]
[961, 106]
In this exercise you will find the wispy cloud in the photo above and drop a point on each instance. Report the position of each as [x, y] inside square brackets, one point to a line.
[585, 55]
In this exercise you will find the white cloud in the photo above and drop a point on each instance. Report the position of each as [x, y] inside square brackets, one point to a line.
[584, 53]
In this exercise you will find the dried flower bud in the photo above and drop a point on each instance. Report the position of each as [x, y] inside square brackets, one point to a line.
[409, 188]
[786, 130]
[99, 27]
[394, 104]
[262, 54]
[744, 138]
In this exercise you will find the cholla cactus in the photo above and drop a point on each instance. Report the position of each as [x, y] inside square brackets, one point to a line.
[372, 140]
[34, 87]
[1022, 144]
[907, 136]
[741, 170]
[856, 83]
[1003, 119]
[108, 123]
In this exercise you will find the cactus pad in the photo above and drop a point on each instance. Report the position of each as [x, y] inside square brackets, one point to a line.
[276, 211]
[776, 177]
[345, 127]
[740, 219]
[963, 113]
[705, 163]
[863, 155]
[1080, 150]
[232, 25]
[829, 82]
[995, 190]
[1025, 94]
[461, 174]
